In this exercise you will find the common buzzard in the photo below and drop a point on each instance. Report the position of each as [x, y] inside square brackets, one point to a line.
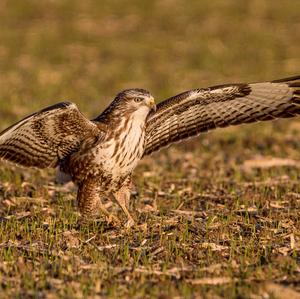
[101, 154]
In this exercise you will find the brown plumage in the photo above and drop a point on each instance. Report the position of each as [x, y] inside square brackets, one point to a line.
[193, 112]
[100, 155]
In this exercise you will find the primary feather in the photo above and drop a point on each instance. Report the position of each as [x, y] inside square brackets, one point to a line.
[193, 112]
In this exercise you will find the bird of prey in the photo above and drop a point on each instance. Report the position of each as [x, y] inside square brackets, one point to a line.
[101, 154]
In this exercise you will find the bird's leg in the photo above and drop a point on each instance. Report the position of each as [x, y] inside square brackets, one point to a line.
[89, 202]
[122, 197]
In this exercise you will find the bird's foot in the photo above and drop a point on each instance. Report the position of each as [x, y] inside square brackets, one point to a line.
[114, 220]
[129, 224]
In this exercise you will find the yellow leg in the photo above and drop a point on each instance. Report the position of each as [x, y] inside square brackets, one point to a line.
[89, 202]
[122, 197]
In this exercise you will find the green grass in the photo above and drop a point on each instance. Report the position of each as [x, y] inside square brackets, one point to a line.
[209, 226]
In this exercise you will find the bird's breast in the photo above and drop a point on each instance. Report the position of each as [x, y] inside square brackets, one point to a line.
[120, 154]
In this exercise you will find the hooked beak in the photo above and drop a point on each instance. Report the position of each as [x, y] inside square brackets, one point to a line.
[151, 104]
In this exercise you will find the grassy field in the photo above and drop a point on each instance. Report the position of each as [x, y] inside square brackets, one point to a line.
[217, 216]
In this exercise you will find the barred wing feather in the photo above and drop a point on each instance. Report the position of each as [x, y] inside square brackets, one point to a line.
[193, 112]
[45, 138]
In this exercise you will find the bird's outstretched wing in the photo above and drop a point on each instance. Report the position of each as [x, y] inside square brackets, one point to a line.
[193, 112]
[45, 138]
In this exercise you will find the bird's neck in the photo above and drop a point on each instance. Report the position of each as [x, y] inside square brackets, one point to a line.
[129, 125]
[122, 121]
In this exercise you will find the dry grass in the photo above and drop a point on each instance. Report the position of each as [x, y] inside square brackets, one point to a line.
[217, 216]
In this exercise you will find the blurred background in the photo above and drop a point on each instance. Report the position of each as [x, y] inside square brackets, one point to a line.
[87, 51]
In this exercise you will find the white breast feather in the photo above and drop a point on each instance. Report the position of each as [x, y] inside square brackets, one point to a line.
[132, 137]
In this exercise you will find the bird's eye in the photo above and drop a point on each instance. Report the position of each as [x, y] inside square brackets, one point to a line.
[137, 100]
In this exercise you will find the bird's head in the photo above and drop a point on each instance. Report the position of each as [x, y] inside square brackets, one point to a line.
[138, 101]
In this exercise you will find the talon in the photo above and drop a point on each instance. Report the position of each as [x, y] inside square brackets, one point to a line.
[114, 220]
[130, 223]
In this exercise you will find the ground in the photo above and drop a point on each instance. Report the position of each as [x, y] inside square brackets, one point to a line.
[217, 216]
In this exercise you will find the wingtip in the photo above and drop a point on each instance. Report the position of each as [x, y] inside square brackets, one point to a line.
[287, 80]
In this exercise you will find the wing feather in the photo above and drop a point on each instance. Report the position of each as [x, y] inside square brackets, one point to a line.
[193, 112]
[45, 138]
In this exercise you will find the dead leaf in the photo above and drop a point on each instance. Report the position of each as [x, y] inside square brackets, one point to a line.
[213, 246]
[268, 162]
[210, 281]
[292, 241]
[249, 210]
[189, 213]
[278, 204]
[281, 292]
